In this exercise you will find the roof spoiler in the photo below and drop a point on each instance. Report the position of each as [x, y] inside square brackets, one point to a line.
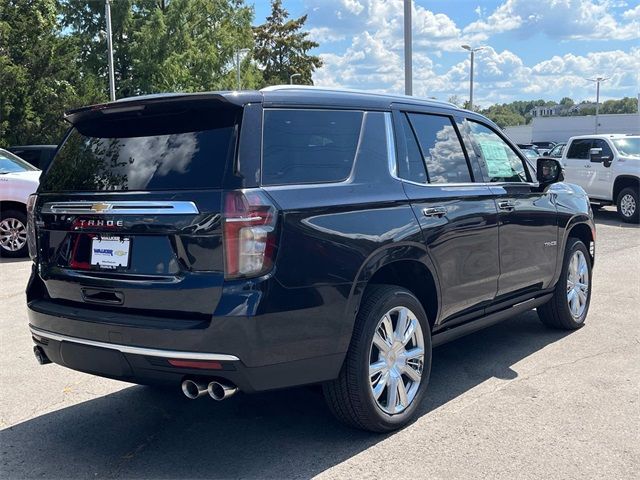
[156, 104]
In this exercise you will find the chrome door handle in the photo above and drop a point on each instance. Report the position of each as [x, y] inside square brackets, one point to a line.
[434, 212]
[587, 166]
[507, 205]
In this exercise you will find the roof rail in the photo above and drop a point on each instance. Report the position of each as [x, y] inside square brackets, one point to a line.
[276, 88]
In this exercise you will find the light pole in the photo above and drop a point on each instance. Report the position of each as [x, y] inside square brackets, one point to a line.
[238, 52]
[112, 81]
[292, 76]
[472, 51]
[408, 60]
[597, 81]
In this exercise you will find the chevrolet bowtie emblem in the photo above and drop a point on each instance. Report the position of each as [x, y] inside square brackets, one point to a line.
[100, 207]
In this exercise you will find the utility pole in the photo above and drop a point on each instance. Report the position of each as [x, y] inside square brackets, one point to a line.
[597, 81]
[112, 80]
[473, 52]
[408, 60]
[238, 52]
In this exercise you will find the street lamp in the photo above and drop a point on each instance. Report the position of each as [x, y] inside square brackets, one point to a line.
[112, 81]
[292, 76]
[597, 81]
[238, 53]
[408, 55]
[472, 51]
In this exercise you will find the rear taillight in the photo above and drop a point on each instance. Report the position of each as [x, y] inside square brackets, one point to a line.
[31, 226]
[249, 233]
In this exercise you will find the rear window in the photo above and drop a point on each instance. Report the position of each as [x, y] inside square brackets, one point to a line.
[9, 163]
[309, 146]
[144, 158]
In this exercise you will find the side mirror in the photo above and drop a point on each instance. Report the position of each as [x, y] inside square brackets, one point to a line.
[595, 155]
[548, 171]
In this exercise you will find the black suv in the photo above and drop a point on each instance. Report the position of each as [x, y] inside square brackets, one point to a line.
[257, 240]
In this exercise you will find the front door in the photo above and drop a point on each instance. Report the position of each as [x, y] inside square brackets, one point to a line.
[527, 217]
[457, 216]
[601, 174]
[576, 164]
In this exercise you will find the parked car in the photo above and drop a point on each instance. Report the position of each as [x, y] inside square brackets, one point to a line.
[18, 180]
[544, 147]
[530, 153]
[39, 156]
[291, 236]
[608, 168]
[556, 151]
[528, 146]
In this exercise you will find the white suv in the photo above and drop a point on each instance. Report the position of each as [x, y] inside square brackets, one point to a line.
[18, 180]
[608, 168]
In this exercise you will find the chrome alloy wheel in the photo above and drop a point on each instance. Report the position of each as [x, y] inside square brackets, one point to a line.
[396, 360]
[577, 284]
[628, 205]
[13, 234]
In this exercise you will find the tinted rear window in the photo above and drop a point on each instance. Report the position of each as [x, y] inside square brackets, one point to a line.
[144, 159]
[309, 146]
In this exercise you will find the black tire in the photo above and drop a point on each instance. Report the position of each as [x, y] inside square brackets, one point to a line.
[630, 212]
[349, 397]
[9, 215]
[556, 312]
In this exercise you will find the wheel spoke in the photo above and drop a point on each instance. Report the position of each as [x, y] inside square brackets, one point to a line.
[408, 334]
[412, 373]
[414, 353]
[401, 324]
[380, 343]
[392, 393]
[378, 388]
[402, 393]
[377, 367]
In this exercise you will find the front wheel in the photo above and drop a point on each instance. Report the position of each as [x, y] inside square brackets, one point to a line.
[628, 207]
[387, 367]
[13, 234]
[569, 305]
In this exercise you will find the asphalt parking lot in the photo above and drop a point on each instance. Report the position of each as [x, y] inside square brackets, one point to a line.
[513, 401]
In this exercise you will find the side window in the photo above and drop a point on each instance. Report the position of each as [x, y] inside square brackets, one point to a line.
[606, 149]
[500, 162]
[309, 146]
[441, 148]
[410, 164]
[579, 149]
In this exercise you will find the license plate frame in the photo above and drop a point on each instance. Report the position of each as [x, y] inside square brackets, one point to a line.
[110, 252]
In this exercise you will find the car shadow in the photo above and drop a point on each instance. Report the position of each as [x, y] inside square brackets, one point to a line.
[14, 260]
[609, 216]
[146, 433]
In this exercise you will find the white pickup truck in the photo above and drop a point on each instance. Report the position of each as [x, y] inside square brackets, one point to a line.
[608, 168]
[18, 180]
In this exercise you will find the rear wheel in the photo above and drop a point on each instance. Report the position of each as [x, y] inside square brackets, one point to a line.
[13, 234]
[387, 367]
[628, 205]
[569, 305]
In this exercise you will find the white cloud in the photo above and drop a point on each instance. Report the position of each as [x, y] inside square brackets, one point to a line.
[373, 59]
[564, 19]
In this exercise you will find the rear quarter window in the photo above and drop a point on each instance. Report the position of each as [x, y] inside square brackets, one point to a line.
[309, 146]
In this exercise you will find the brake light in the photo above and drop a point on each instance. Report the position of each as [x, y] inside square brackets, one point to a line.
[249, 233]
[31, 226]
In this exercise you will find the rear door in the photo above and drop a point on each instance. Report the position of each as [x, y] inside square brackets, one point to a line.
[129, 214]
[527, 216]
[458, 216]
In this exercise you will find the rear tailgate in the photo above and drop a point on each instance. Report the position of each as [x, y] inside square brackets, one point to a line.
[128, 217]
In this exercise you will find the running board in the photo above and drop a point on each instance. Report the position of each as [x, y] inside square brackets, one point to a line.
[458, 331]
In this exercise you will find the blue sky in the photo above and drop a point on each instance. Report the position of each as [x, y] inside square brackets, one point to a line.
[535, 48]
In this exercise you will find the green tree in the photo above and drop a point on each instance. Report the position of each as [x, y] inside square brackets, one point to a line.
[567, 102]
[282, 48]
[39, 76]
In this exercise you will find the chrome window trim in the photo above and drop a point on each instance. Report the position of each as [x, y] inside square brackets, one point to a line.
[391, 144]
[121, 208]
[149, 352]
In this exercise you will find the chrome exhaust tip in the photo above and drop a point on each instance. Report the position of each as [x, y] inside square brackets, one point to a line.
[193, 389]
[219, 391]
